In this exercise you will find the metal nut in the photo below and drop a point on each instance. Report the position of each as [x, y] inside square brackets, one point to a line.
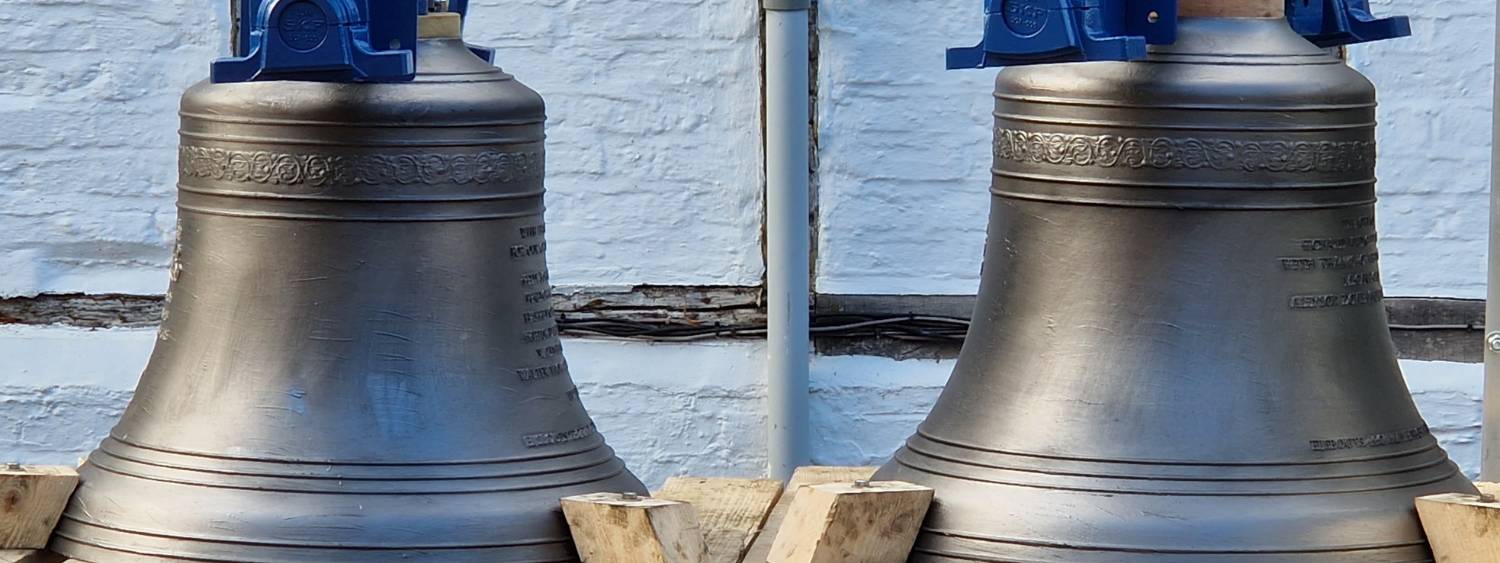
[862, 484]
[1492, 341]
[630, 496]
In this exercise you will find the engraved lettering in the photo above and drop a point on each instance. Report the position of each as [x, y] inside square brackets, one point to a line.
[1372, 441]
[535, 278]
[533, 231]
[1298, 264]
[527, 250]
[1337, 300]
[1359, 223]
[549, 352]
[538, 297]
[533, 317]
[1349, 261]
[544, 372]
[1362, 278]
[1338, 243]
[554, 438]
[531, 336]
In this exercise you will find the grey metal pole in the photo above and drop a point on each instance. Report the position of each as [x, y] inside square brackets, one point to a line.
[1491, 440]
[787, 235]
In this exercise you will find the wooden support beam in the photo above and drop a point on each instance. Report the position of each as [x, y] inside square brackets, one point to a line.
[1231, 8]
[731, 512]
[32, 499]
[616, 528]
[859, 522]
[1463, 528]
[760, 549]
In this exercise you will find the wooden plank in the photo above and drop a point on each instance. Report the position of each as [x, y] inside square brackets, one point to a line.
[624, 528]
[1463, 528]
[32, 499]
[731, 512]
[1232, 8]
[862, 522]
[760, 549]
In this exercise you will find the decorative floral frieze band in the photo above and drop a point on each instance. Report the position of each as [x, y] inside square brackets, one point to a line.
[1110, 151]
[267, 167]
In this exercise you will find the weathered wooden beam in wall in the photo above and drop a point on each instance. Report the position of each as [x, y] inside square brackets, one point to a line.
[1422, 328]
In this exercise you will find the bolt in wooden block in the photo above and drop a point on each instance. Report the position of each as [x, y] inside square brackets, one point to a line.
[861, 522]
[732, 512]
[615, 528]
[1463, 528]
[32, 499]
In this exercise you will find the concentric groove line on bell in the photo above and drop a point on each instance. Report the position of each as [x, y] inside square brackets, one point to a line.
[108, 448]
[1169, 551]
[1209, 489]
[1049, 100]
[363, 143]
[1167, 466]
[1164, 126]
[403, 125]
[378, 488]
[540, 542]
[434, 473]
[1291, 189]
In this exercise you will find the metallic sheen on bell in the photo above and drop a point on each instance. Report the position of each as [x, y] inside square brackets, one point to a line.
[1180, 352]
[359, 360]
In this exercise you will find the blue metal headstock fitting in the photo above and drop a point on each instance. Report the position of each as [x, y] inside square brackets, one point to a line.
[1024, 32]
[1330, 23]
[1027, 32]
[329, 40]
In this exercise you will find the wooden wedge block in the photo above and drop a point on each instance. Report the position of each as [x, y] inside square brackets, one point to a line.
[803, 477]
[731, 512]
[1463, 528]
[32, 499]
[615, 528]
[861, 522]
[30, 556]
[1232, 8]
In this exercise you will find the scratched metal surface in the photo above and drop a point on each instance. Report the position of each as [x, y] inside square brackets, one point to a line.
[1179, 351]
[359, 360]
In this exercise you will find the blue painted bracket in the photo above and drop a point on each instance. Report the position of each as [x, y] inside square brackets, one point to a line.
[1330, 23]
[328, 41]
[1022, 32]
[1026, 32]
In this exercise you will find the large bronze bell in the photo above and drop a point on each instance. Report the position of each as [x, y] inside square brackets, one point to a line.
[1180, 352]
[359, 360]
